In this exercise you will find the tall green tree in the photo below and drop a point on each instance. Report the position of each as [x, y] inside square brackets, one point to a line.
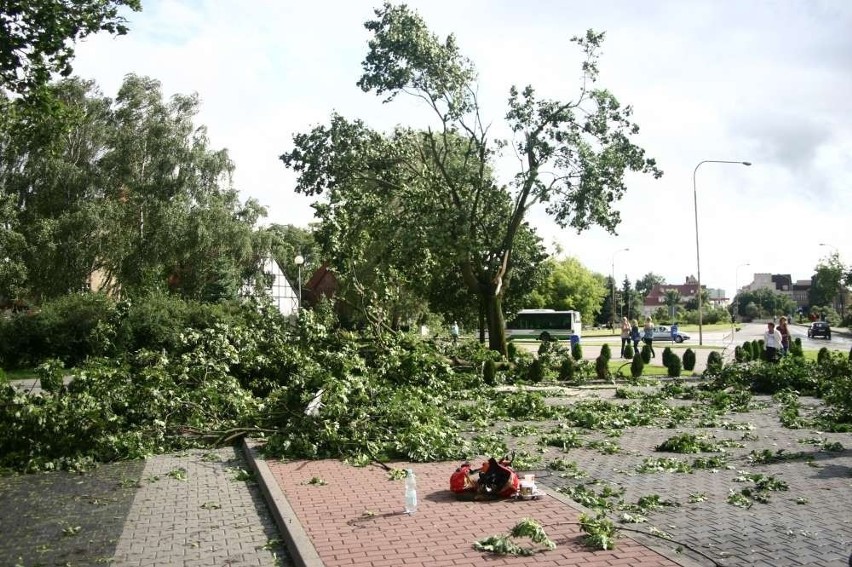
[37, 37]
[828, 282]
[575, 153]
[569, 285]
[647, 282]
[127, 187]
[672, 301]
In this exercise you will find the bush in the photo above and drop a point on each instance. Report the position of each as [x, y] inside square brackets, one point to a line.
[739, 354]
[489, 372]
[689, 360]
[606, 352]
[566, 369]
[576, 351]
[823, 355]
[646, 354]
[637, 366]
[714, 362]
[601, 368]
[628, 351]
[850, 352]
[796, 348]
[535, 373]
[673, 365]
[667, 356]
[545, 347]
[512, 351]
[760, 353]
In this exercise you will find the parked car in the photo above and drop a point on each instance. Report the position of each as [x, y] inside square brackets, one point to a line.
[665, 334]
[819, 329]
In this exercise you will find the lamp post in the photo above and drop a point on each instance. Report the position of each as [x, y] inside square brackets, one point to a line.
[299, 260]
[697, 252]
[613, 285]
[736, 298]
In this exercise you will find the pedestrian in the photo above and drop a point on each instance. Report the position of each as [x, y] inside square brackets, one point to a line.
[771, 342]
[454, 331]
[625, 334]
[785, 336]
[635, 335]
[648, 337]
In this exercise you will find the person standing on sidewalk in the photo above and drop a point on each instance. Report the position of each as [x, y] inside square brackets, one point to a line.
[625, 334]
[785, 336]
[648, 337]
[635, 335]
[771, 342]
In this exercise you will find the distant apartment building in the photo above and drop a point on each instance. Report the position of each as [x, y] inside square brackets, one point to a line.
[782, 283]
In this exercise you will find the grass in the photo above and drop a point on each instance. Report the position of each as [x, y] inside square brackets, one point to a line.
[20, 374]
[649, 370]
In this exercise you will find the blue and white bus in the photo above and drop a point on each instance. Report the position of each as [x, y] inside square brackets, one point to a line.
[544, 325]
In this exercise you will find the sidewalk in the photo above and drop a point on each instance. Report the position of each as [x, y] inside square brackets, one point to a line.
[352, 516]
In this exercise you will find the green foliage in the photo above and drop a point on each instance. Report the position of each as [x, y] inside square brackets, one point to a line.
[646, 354]
[576, 351]
[536, 372]
[567, 369]
[512, 352]
[667, 356]
[600, 531]
[823, 355]
[489, 372]
[606, 352]
[628, 351]
[39, 36]
[568, 285]
[714, 362]
[674, 366]
[796, 348]
[526, 528]
[689, 360]
[637, 366]
[602, 368]
[687, 443]
[740, 354]
[653, 464]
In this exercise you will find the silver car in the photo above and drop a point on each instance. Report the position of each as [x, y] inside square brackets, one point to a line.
[665, 334]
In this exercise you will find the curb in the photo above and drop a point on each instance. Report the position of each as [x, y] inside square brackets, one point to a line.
[651, 542]
[302, 551]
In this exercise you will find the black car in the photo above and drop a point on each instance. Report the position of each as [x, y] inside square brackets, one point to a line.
[819, 329]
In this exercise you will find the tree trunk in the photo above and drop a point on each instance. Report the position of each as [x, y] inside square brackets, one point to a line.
[481, 319]
[496, 323]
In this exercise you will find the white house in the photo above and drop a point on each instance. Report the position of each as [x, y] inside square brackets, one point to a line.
[285, 298]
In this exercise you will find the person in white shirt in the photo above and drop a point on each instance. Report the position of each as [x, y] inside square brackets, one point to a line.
[772, 342]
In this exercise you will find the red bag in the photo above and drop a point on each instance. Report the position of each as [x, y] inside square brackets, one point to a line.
[461, 482]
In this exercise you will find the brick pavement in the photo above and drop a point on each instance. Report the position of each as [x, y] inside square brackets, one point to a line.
[208, 519]
[355, 519]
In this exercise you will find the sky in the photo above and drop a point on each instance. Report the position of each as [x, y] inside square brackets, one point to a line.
[766, 82]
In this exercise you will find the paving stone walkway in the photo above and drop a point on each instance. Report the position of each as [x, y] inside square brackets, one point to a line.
[808, 524]
[180, 510]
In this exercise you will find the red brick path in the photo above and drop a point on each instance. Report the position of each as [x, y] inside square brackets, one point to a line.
[442, 531]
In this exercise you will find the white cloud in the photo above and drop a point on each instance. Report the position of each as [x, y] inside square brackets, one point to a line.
[765, 82]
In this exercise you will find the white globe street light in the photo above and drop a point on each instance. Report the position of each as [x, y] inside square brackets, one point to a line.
[299, 260]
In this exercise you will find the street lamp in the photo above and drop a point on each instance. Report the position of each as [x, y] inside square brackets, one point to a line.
[613, 284]
[697, 253]
[736, 299]
[299, 260]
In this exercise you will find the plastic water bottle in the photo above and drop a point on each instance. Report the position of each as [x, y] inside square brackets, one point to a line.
[410, 492]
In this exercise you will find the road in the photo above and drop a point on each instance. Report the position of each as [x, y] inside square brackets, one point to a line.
[748, 332]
